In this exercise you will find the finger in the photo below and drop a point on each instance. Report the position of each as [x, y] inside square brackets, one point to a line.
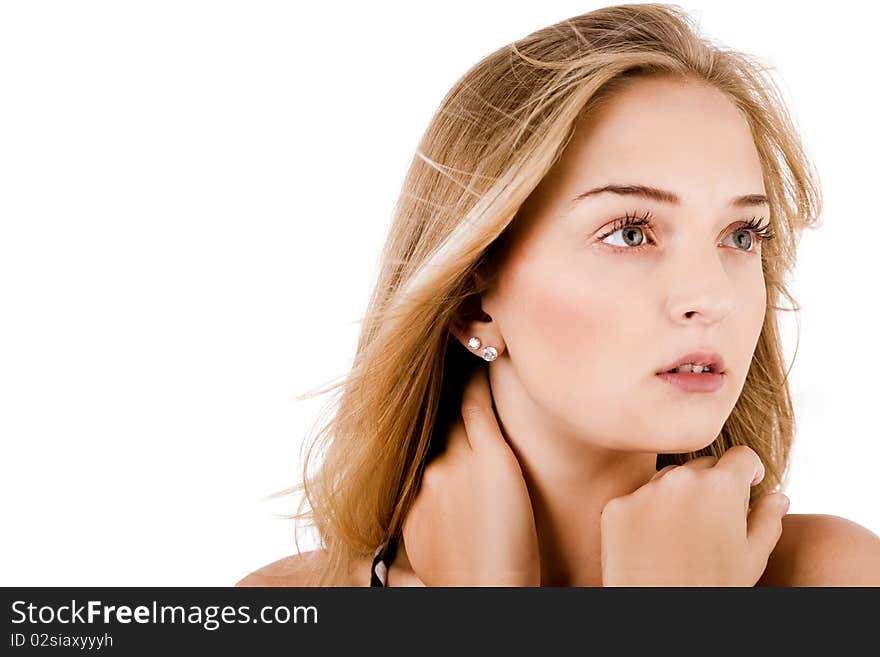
[477, 412]
[765, 522]
[663, 471]
[700, 462]
[744, 463]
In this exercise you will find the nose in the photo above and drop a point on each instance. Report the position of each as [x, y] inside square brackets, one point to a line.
[700, 288]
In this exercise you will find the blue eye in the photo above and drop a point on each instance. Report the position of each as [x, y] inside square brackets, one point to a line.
[633, 237]
[631, 229]
[753, 226]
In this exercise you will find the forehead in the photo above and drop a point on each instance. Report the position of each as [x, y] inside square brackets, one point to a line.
[683, 136]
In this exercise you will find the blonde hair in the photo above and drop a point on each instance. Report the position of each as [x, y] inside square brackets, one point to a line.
[493, 138]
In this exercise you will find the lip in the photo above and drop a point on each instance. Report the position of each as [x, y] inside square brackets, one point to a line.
[698, 358]
[691, 382]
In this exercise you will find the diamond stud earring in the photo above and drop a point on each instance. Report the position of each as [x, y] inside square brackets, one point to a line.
[489, 353]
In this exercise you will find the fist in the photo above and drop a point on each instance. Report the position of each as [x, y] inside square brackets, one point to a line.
[691, 525]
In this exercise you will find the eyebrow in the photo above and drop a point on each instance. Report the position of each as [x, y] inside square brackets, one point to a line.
[664, 196]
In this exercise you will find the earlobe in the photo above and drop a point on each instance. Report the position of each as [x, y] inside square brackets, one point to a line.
[476, 331]
[475, 345]
[489, 353]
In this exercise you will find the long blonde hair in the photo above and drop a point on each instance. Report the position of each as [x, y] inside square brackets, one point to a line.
[493, 138]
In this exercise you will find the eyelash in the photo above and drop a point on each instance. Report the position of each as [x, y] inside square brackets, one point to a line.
[762, 233]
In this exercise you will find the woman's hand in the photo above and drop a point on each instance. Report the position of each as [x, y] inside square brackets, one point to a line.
[472, 522]
[691, 525]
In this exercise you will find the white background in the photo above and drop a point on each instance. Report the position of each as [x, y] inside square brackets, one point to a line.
[193, 197]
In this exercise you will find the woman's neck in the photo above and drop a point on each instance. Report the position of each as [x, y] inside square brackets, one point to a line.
[567, 500]
[569, 480]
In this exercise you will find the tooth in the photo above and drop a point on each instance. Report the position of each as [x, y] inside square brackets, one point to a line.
[688, 367]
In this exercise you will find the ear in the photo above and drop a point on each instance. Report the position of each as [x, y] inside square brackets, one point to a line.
[470, 321]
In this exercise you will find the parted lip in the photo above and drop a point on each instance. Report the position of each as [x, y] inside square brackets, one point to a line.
[704, 358]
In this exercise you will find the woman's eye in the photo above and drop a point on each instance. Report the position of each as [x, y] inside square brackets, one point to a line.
[630, 236]
[742, 237]
[633, 237]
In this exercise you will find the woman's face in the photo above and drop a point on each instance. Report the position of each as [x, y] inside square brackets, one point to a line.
[589, 314]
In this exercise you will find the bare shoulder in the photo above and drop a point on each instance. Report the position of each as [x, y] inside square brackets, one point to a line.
[823, 550]
[301, 570]
[295, 570]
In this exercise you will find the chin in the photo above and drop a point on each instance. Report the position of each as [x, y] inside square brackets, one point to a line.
[681, 450]
[682, 446]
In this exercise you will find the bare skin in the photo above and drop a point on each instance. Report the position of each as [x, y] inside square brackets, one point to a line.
[584, 315]
[814, 550]
[472, 525]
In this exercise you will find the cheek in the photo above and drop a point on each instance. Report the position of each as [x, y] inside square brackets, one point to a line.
[751, 304]
[577, 320]
[752, 309]
[759, 303]
[571, 333]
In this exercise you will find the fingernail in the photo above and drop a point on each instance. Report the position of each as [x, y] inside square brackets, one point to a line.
[759, 476]
[785, 504]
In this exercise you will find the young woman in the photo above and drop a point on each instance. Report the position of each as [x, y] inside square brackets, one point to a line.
[596, 213]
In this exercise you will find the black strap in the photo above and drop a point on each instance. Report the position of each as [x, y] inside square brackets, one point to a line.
[385, 554]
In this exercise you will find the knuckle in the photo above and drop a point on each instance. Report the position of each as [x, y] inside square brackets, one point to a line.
[679, 476]
[662, 472]
[612, 508]
[471, 410]
[432, 477]
[742, 451]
